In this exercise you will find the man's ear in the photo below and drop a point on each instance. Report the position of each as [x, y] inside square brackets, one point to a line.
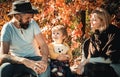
[17, 16]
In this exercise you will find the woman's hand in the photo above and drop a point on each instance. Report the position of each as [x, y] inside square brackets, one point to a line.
[80, 69]
[37, 66]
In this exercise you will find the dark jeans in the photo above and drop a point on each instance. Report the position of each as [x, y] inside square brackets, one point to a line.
[16, 70]
[99, 70]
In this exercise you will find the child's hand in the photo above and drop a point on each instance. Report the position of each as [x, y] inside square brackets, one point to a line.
[63, 57]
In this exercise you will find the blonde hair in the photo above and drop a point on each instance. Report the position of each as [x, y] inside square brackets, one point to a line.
[104, 16]
[61, 28]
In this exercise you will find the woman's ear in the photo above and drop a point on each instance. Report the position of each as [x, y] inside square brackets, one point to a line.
[113, 18]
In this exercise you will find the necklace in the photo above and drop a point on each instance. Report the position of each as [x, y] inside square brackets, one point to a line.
[21, 30]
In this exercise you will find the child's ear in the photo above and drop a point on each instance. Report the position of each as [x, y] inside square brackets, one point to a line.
[64, 36]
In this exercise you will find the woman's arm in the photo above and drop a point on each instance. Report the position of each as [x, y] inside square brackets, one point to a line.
[84, 61]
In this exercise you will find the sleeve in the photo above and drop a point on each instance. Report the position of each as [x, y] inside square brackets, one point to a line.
[69, 52]
[52, 54]
[114, 48]
[36, 27]
[83, 56]
[85, 47]
[6, 33]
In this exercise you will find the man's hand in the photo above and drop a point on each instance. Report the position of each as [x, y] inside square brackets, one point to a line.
[37, 66]
[41, 66]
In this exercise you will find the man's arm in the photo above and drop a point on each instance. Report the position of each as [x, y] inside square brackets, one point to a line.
[43, 47]
[6, 57]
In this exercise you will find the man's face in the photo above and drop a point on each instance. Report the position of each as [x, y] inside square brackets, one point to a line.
[24, 20]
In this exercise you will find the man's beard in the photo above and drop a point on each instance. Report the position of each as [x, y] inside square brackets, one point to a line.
[24, 25]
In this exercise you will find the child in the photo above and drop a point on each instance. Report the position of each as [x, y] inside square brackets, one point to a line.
[60, 53]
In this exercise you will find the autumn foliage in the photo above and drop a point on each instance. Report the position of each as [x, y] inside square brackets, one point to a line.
[64, 12]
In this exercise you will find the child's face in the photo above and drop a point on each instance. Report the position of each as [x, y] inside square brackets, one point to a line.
[57, 36]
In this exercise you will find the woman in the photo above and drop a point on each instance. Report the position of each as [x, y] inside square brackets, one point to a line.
[101, 52]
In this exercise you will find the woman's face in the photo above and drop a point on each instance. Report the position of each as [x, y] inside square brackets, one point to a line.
[95, 22]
